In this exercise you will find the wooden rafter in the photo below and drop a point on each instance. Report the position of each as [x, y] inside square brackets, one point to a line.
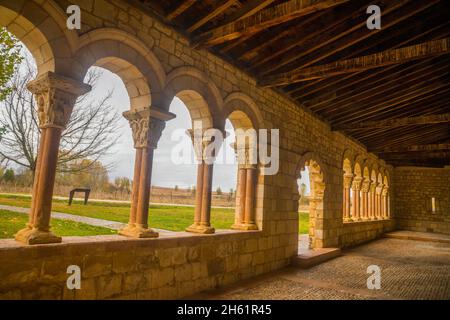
[186, 4]
[343, 37]
[264, 19]
[415, 148]
[221, 7]
[399, 122]
[381, 59]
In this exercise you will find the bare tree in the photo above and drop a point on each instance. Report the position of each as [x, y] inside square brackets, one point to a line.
[90, 133]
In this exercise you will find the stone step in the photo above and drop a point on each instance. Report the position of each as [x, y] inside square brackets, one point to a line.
[313, 257]
[418, 236]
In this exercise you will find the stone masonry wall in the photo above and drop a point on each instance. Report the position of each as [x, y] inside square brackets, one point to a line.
[115, 267]
[414, 189]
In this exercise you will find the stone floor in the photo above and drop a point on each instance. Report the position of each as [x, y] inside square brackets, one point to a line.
[409, 270]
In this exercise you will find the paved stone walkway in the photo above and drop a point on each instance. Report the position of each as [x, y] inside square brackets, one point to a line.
[409, 270]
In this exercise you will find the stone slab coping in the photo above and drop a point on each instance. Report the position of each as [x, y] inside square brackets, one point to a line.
[91, 244]
[313, 257]
[418, 236]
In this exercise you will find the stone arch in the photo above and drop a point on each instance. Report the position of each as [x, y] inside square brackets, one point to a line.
[129, 58]
[198, 93]
[42, 28]
[243, 107]
[316, 206]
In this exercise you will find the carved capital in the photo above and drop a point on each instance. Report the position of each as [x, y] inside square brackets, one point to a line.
[246, 156]
[385, 191]
[202, 143]
[357, 182]
[146, 128]
[348, 179]
[55, 98]
[365, 185]
[379, 188]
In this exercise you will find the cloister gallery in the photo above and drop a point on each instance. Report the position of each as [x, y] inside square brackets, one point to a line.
[366, 111]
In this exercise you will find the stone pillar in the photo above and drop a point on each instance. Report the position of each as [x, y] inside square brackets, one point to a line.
[384, 200]
[55, 97]
[378, 190]
[202, 218]
[248, 172]
[348, 179]
[356, 186]
[372, 192]
[365, 199]
[147, 126]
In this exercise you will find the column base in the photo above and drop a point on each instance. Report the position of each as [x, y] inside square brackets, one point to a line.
[30, 235]
[244, 226]
[138, 232]
[198, 228]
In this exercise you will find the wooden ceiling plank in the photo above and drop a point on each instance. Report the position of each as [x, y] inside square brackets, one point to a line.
[381, 59]
[398, 100]
[410, 75]
[186, 4]
[221, 7]
[393, 14]
[414, 148]
[263, 19]
[396, 122]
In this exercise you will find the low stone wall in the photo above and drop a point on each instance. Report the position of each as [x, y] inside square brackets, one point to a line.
[414, 189]
[354, 233]
[172, 266]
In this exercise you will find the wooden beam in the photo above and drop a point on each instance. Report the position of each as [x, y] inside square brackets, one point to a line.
[381, 59]
[223, 5]
[344, 36]
[415, 156]
[263, 19]
[393, 123]
[415, 148]
[180, 9]
[247, 10]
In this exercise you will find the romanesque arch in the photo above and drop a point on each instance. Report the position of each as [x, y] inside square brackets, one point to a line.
[129, 58]
[42, 28]
[316, 205]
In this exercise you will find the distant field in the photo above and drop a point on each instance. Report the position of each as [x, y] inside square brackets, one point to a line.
[303, 226]
[11, 222]
[175, 218]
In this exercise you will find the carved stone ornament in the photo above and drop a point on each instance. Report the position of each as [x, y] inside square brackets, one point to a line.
[146, 129]
[56, 96]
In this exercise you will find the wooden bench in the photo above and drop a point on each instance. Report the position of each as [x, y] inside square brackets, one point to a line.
[86, 194]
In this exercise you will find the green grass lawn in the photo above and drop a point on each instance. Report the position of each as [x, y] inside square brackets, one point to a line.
[175, 218]
[303, 225]
[11, 222]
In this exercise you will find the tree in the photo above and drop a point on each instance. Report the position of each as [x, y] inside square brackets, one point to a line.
[90, 133]
[219, 191]
[10, 58]
[8, 176]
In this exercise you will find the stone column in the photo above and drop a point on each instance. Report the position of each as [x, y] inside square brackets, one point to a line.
[147, 126]
[202, 218]
[384, 200]
[55, 97]
[378, 190]
[356, 186]
[372, 190]
[365, 199]
[247, 189]
[348, 179]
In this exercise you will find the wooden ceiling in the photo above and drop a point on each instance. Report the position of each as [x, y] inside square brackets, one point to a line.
[387, 88]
